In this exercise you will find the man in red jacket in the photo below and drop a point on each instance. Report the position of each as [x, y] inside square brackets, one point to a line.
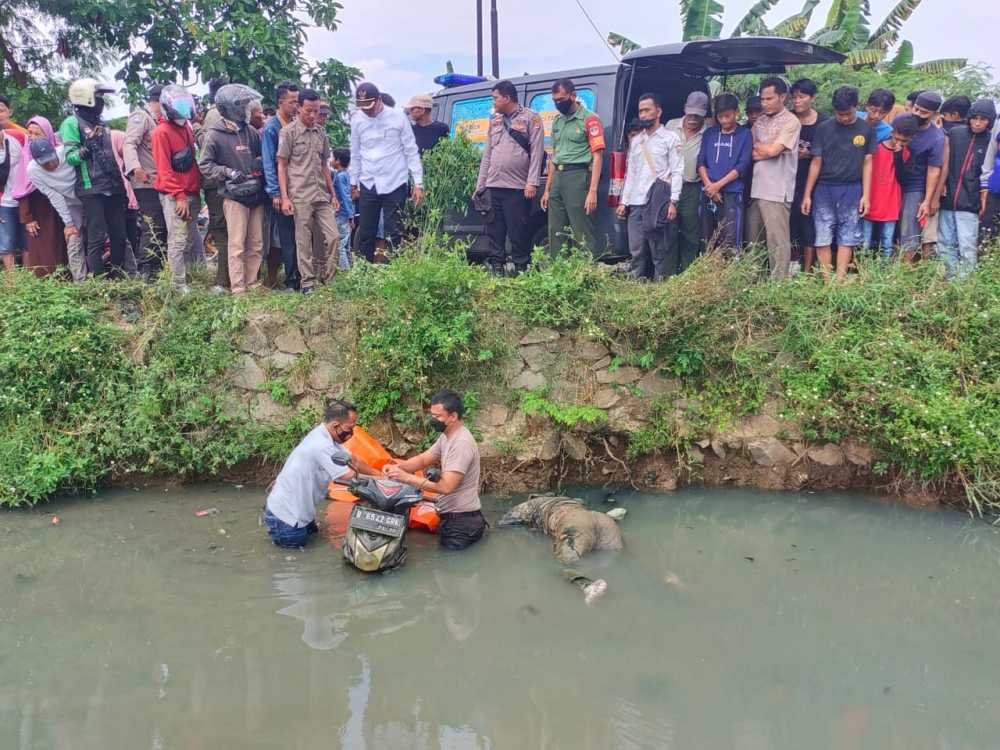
[178, 179]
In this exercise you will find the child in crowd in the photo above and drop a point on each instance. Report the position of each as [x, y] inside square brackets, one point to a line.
[877, 109]
[723, 161]
[345, 214]
[13, 237]
[840, 176]
[886, 193]
[753, 110]
[964, 199]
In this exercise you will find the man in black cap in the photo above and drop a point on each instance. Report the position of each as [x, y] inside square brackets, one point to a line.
[384, 156]
[140, 168]
[921, 199]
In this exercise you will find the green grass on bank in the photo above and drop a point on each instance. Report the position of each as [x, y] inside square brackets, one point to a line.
[116, 378]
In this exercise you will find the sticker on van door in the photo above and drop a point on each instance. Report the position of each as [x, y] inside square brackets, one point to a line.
[472, 117]
[546, 108]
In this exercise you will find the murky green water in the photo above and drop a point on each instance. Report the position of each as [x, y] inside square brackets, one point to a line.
[808, 622]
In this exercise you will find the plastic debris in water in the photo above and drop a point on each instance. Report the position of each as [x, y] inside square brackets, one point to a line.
[207, 512]
[617, 513]
[674, 581]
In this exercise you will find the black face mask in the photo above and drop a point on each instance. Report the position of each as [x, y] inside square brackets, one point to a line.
[949, 124]
[565, 106]
[437, 425]
[344, 435]
[646, 124]
[922, 120]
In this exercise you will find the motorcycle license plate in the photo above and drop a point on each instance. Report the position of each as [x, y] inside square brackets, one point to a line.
[376, 521]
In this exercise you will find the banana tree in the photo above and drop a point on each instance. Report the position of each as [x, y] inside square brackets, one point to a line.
[847, 29]
[701, 19]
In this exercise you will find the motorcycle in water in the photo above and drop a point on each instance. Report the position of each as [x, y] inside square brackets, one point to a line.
[376, 531]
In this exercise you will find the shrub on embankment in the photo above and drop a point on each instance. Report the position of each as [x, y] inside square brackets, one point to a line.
[120, 379]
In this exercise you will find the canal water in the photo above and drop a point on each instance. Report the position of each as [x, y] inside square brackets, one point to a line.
[734, 619]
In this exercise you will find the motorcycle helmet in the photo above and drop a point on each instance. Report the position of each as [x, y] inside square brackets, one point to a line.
[177, 104]
[235, 101]
[86, 91]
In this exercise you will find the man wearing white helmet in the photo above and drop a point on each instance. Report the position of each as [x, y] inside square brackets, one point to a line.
[99, 182]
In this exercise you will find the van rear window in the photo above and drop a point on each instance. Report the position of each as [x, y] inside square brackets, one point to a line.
[544, 106]
[472, 117]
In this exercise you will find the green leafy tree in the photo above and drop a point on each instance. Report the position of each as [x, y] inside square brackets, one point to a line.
[334, 81]
[44, 43]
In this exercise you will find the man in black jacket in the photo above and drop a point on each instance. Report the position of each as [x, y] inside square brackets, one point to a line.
[231, 162]
[964, 199]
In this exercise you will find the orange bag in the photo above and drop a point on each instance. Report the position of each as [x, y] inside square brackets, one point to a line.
[362, 445]
[424, 516]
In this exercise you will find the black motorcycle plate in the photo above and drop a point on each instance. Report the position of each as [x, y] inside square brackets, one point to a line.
[367, 519]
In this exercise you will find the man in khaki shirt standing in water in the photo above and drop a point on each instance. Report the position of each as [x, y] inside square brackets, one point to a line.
[462, 521]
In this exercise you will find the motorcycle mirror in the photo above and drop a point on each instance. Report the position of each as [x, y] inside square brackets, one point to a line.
[341, 461]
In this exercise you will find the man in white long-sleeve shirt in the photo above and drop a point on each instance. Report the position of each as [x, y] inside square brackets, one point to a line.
[654, 154]
[384, 156]
[56, 180]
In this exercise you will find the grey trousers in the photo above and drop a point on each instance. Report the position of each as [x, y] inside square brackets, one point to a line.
[654, 254]
[179, 235]
[76, 251]
[769, 221]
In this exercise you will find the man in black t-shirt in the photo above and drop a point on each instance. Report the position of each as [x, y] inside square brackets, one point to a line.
[803, 232]
[840, 178]
[425, 130]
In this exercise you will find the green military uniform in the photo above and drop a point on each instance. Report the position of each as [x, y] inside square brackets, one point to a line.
[575, 140]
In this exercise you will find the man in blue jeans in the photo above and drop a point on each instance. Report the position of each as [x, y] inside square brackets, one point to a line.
[840, 180]
[288, 106]
[290, 513]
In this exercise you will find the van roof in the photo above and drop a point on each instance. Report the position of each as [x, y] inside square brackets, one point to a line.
[594, 70]
[747, 54]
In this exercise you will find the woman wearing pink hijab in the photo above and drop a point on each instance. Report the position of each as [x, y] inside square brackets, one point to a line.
[46, 243]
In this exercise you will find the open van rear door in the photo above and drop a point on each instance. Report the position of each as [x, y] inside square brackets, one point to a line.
[750, 54]
[697, 61]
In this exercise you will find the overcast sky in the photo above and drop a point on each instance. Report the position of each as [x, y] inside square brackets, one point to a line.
[402, 44]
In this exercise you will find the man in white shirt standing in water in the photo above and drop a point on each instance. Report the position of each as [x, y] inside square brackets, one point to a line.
[384, 156]
[290, 514]
[462, 521]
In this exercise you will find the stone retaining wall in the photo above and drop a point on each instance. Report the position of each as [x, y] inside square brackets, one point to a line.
[286, 366]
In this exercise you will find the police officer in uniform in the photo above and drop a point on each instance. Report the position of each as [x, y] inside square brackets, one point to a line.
[511, 169]
[575, 169]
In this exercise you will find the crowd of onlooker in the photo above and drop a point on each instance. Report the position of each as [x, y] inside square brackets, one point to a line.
[101, 201]
[910, 180]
